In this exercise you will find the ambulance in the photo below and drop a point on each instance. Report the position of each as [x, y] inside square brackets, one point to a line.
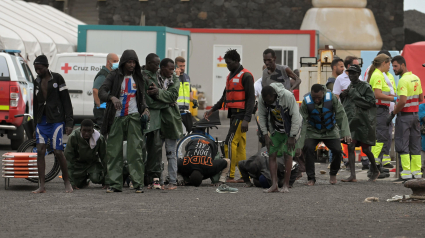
[79, 71]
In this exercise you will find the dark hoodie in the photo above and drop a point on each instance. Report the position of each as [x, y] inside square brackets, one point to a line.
[112, 88]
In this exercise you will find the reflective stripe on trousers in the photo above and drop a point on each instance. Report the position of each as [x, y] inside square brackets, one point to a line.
[386, 159]
[383, 102]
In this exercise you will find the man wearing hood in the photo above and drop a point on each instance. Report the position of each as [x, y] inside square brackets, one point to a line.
[126, 112]
[324, 120]
[85, 154]
[279, 115]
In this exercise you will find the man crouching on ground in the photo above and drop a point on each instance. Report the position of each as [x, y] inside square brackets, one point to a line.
[85, 154]
[278, 113]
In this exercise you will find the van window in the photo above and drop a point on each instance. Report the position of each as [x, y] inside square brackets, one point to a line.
[17, 67]
[4, 70]
[31, 78]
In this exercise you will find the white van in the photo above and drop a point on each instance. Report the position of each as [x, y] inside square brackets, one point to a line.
[79, 70]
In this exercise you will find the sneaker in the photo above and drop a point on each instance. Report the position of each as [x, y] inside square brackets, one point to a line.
[140, 190]
[131, 185]
[112, 190]
[226, 189]
[156, 184]
[388, 165]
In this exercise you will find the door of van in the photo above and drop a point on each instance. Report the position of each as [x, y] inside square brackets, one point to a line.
[94, 62]
[72, 70]
[29, 86]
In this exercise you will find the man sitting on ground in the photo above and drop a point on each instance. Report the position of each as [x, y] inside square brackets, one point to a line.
[85, 154]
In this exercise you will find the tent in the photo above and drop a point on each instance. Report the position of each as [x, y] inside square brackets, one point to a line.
[26, 12]
[62, 45]
[61, 15]
[48, 46]
[36, 29]
[415, 58]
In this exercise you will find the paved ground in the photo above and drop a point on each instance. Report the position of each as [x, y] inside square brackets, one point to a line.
[320, 211]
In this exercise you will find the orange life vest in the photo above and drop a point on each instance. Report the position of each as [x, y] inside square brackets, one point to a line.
[235, 92]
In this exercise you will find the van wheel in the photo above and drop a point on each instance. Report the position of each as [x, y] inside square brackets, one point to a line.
[15, 143]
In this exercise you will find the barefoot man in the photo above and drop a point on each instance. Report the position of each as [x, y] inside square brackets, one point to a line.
[359, 105]
[52, 112]
[324, 120]
[279, 116]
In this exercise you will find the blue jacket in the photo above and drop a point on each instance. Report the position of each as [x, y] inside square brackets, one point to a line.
[421, 115]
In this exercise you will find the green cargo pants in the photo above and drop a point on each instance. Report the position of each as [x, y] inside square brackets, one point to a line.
[125, 127]
[153, 155]
[83, 171]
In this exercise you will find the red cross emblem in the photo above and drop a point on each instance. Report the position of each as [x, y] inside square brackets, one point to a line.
[220, 59]
[66, 68]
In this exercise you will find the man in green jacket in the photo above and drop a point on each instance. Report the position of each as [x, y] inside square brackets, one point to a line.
[171, 125]
[279, 114]
[153, 149]
[359, 105]
[324, 120]
[85, 154]
[126, 112]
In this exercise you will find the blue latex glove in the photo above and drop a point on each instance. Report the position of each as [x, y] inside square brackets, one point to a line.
[395, 99]
[102, 106]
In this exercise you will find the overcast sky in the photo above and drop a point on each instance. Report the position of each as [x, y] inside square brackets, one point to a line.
[418, 5]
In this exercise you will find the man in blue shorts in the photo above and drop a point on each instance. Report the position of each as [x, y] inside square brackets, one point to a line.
[52, 112]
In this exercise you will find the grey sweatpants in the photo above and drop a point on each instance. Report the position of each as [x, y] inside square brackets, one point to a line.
[407, 134]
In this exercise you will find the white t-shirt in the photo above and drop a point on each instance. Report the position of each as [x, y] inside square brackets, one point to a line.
[128, 97]
[341, 83]
[258, 87]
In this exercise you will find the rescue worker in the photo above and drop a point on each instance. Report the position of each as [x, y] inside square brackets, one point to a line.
[422, 123]
[407, 135]
[154, 89]
[185, 94]
[52, 111]
[100, 106]
[257, 168]
[126, 111]
[385, 157]
[85, 154]
[324, 120]
[275, 73]
[383, 85]
[171, 126]
[239, 98]
[202, 161]
[359, 105]
[279, 114]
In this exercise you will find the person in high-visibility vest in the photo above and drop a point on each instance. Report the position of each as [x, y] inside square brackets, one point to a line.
[184, 93]
[407, 131]
[384, 157]
[239, 97]
[383, 85]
